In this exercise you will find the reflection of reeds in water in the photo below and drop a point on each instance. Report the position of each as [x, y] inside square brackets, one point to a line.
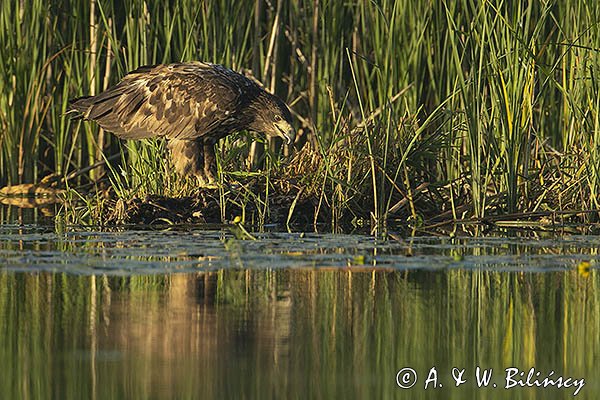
[404, 108]
[274, 334]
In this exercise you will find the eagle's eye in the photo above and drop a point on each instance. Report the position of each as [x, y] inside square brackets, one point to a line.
[277, 118]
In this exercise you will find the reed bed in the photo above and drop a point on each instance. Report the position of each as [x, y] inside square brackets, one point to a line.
[406, 110]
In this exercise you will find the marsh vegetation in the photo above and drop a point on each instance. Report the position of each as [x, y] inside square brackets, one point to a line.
[417, 111]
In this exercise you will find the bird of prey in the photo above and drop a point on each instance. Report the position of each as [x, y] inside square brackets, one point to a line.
[192, 105]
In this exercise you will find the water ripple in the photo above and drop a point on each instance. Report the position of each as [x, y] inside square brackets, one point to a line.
[34, 248]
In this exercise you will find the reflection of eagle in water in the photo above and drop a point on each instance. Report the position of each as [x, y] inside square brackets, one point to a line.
[193, 105]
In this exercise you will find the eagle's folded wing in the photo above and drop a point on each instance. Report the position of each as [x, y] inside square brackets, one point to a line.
[178, 101]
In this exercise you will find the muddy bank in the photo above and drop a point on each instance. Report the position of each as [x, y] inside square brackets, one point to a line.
[210, 206]
[280, 202]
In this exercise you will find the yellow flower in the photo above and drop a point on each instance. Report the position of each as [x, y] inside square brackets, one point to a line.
[584, 268]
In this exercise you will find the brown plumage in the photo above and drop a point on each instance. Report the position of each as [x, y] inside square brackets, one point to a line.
[192, 105]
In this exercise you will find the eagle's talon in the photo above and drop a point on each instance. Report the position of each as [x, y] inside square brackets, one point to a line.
[206, 182]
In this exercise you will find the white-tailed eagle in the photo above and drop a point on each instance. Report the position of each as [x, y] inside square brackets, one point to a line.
[192, 105]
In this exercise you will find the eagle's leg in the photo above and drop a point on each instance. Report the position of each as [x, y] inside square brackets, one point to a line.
[188, 157]
[210, 162]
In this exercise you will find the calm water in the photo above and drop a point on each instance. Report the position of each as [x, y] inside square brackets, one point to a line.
[198, 314]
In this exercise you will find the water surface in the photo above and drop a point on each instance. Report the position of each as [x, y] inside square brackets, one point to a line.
[196, 313]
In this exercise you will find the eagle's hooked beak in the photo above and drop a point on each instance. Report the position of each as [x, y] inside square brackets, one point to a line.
[285, 131]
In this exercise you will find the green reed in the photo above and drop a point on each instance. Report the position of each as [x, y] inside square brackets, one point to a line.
[493, 107]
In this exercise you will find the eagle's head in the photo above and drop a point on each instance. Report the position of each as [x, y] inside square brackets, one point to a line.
[273, 118]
